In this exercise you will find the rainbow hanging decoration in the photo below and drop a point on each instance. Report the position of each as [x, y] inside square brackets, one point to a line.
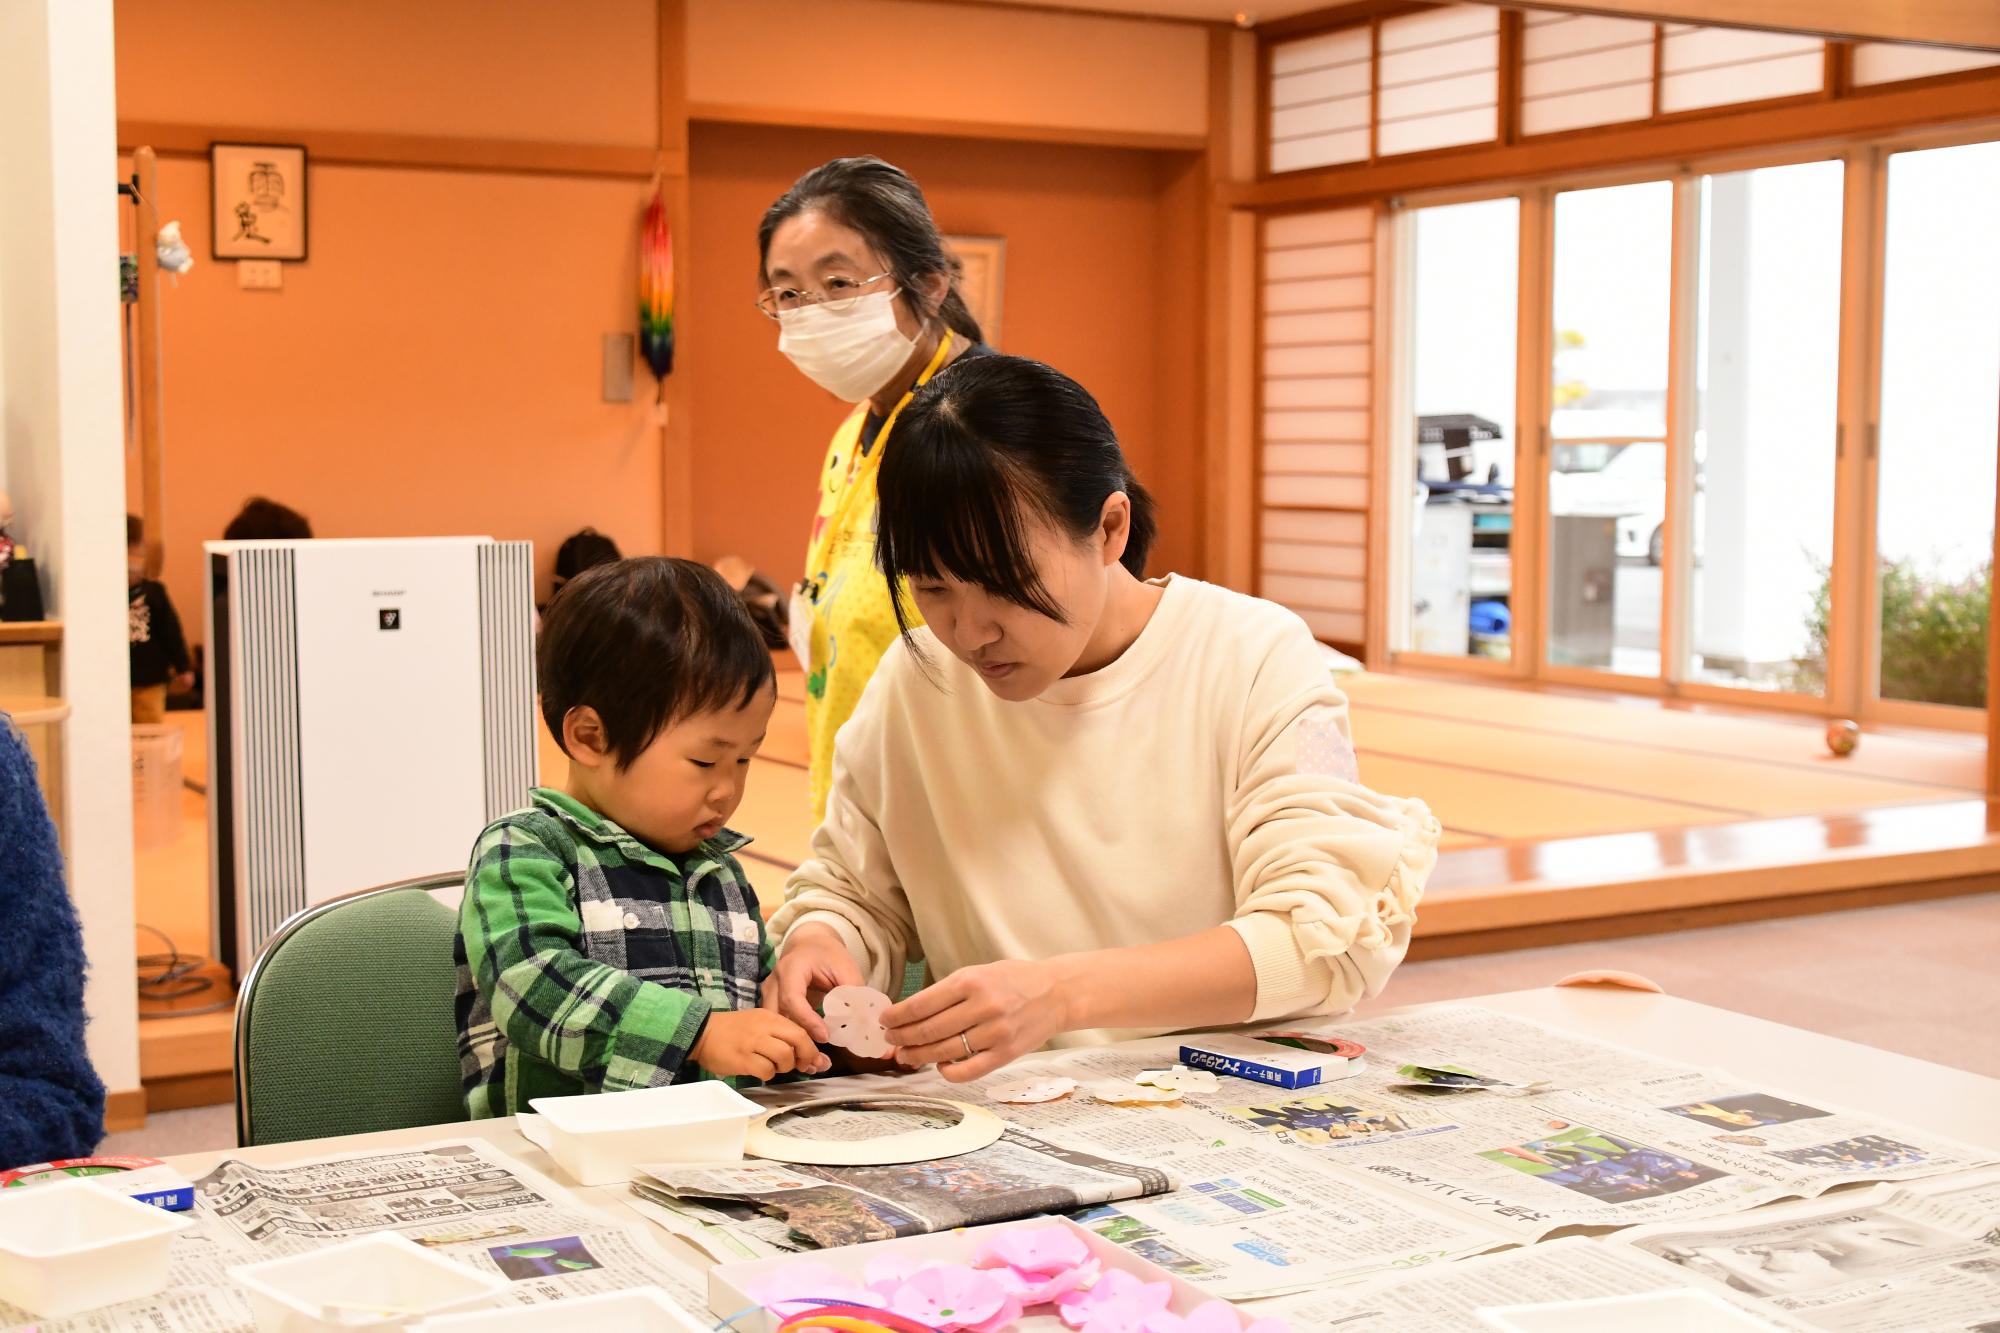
[656, 290]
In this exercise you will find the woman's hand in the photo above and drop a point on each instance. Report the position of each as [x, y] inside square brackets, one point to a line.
[1004, 1010]
[813, 962]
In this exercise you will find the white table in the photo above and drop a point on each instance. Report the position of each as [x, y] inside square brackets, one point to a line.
[1944, 1101]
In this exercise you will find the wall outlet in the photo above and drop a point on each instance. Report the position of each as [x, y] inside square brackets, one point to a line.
[260, 275]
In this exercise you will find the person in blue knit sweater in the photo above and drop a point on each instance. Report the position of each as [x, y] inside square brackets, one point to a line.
[51, 1100]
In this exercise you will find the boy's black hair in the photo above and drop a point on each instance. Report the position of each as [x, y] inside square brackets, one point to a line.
[988, 445]
[262, 520]
[647, 642]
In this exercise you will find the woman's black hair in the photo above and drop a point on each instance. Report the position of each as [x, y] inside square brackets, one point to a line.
[883, 204]
[987, 445]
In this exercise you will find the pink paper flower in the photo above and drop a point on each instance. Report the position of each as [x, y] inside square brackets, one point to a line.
[1117, 1303]
[1214, 1317]
[949, 1296]
[886, 1273]
[806, 1284]
[1003, 1319]
[1041, 1288]
[1046, 1249]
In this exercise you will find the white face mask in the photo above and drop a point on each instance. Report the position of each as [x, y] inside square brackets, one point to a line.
[850, 353]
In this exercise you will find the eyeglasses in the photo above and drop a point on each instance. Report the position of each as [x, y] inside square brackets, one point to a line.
[840, 295]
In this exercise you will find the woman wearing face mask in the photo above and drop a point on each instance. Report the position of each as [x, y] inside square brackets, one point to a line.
[858, 281]
[1098, 806]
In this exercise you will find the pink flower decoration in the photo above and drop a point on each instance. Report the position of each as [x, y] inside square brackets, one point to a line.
[805, 1284]
[1004, 1319]
[1117, 1303]
[1214, 1317]
[1041, 1288]
[949, 1296]
[1048, 1249]
[888, 1272]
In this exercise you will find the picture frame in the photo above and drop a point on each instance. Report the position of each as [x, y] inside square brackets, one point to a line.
[258, 201]
[982, 279]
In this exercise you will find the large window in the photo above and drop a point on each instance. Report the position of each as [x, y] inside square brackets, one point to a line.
[1680, 500]
[1613, 253]
[1940, 392]
[1766, 370]
[1462, 387]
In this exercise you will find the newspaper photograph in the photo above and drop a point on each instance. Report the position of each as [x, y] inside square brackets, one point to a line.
[1019, 1176]
[468, 1201]
[725, 1231]
[1801, 1147]
[1882, 1260]
[1446, 1298]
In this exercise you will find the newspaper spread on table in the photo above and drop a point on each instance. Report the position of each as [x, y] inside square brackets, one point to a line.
[1883, 1260]
[465, 1199]
[1285, 1191]
[1351, 1205]
[1019, 1176]
[1446, 1298]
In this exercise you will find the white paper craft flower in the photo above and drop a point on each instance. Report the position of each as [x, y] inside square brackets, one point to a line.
[1030, 1091]
[854, 1020]
[1132, 1094]
[1179, 1079]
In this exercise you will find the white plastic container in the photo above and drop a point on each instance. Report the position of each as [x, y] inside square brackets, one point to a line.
[383, 1282]
[1683, 1310]
[602, 1139]
[635, 1310]
[74, 1245]
[156, 784]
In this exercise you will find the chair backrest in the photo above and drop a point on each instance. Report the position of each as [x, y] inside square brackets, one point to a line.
[345, 1024]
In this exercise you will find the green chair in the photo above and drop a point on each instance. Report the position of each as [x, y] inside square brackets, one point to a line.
[345, 1025]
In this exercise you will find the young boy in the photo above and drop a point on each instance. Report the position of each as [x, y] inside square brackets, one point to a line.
[159, 648]
[608, 939]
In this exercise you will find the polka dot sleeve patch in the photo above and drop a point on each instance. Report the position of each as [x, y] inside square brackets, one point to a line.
[1322, 749]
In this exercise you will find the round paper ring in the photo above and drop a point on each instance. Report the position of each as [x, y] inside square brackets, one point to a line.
[977, 1128]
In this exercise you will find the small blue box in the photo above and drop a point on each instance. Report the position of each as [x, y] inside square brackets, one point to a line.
[1238, 1066]
[175, 1196]
[1275, 1058]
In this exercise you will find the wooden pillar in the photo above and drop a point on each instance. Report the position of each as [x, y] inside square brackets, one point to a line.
[1228, 520]
[676, 431]
[152, 485]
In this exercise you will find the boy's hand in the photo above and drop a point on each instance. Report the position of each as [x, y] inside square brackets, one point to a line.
[757, 1043]
[183, 683]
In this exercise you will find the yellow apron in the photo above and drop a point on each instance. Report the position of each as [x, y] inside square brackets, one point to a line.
[842, 619]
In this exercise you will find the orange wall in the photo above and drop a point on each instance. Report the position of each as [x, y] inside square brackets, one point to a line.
[434, 367]
[504, 69]
[1086, 231]
[989, 64]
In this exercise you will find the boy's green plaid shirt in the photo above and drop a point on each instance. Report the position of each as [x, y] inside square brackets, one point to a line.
[589, 962]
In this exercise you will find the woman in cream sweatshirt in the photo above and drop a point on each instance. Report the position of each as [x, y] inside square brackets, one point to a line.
[1096, 806]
